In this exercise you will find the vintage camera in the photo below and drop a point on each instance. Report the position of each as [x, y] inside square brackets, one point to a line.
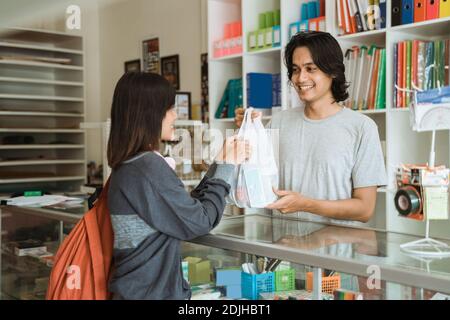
[409, 196]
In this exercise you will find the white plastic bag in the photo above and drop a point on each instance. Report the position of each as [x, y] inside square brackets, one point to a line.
[254, 180]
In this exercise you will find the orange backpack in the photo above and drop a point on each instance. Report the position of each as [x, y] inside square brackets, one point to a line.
[82, 265]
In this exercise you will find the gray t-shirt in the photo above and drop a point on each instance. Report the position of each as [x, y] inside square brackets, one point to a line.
[326, 159]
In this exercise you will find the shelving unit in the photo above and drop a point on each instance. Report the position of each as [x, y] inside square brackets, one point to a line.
[41, 108]
[402, 145]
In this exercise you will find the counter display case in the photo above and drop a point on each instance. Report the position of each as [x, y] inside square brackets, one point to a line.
[315, 258]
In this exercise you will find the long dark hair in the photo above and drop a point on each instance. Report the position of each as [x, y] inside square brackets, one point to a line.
[327, 56]
[139, 106]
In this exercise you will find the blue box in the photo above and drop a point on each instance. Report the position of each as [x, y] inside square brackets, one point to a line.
[276, 36]
[228, 277]
[259, 90]
[254, 284]
[294, 28]
[234, 291]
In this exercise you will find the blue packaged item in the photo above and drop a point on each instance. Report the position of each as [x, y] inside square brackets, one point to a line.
[304, 12]
[436, 96]
[407, 11]
[312, 10]
[259, 90]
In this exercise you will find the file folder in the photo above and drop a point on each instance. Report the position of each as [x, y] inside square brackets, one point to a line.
[444, 8]
[397, 12]
[407, 11]
[420, 13]
[432, 9]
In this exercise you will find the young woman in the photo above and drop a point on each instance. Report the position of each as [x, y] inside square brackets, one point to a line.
[151, 213]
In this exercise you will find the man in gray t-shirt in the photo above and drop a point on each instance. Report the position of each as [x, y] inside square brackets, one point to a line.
[330, 157]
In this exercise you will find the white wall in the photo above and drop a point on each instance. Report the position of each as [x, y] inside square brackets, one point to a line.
[181, 30]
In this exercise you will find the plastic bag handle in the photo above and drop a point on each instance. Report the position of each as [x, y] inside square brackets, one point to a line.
[245, 122]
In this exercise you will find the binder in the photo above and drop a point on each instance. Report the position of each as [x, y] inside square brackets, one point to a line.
[404, 77]
[408, 71]
[362, 12]
[400, 74]
[396, 15]
[447, 62]
[395, 75]
[351, 16]
[373, 80]
[359, 81]
[371, 54]
[444, 8]
[376, 3]
[420, 13]
[407, 11]
[429, 59]
[432, 9]
[312, 9]
[358, 19]
[322, 8]
[421, 64]
[304, 12]
[383, 13]
[414, 62]
[346, 16]
[381, 86]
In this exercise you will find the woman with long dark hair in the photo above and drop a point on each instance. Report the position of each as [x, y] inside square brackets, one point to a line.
[151, 213]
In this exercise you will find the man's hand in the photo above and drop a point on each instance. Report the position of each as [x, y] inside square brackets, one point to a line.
[239, 116]
[288, 202]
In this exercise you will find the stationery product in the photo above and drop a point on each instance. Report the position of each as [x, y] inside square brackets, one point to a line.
[444, 8]
[432, 9]
[396, 14]
[420, 13]
[407, 11]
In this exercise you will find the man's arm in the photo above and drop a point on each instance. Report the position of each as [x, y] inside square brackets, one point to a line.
[359, 208]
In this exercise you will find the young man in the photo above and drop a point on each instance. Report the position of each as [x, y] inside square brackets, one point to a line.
[331, 161]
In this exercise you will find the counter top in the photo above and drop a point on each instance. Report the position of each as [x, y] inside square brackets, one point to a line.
[351, 250]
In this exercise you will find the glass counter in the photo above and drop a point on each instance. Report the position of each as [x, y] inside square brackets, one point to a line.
[366, 260]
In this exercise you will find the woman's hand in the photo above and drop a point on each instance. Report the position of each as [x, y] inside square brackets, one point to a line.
[234, 151]
[239, 116]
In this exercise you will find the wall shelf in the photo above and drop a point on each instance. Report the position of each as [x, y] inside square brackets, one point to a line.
[41, 103]
[402, 145]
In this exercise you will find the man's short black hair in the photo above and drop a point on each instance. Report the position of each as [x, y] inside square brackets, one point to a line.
[327, 56]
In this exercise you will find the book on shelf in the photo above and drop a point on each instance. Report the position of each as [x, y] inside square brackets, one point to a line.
[360, 15]
[420, 64]
[232, 98]
[366, 72]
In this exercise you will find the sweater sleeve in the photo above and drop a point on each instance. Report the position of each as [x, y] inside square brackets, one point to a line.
[166, 206]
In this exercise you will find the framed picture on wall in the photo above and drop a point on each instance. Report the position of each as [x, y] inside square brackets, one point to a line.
[133, 65]
[150, 56]
[170, 69]
[183, 105]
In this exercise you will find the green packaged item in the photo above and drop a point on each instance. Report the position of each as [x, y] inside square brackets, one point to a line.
[277, 18]
[269, 19]
[262, 21]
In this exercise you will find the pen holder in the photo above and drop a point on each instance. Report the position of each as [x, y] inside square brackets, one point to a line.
[254, 284]
[285, 280]
[329, 284]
